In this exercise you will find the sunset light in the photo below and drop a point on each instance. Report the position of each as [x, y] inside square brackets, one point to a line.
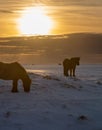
[50, 64]
[34, 21]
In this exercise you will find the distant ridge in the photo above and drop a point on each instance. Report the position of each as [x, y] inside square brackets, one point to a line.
[54, 48]
[78, 35]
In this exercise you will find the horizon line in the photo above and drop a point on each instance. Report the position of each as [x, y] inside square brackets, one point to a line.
[63, 34]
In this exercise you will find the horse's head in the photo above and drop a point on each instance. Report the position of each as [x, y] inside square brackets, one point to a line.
[77, 60]
[26, 84]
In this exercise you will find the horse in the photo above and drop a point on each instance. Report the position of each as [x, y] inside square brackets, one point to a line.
[70, 65]
[14, 71]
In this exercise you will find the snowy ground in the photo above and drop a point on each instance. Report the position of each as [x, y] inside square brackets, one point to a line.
[54, 102]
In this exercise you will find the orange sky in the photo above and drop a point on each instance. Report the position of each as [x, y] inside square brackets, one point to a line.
[68, 16]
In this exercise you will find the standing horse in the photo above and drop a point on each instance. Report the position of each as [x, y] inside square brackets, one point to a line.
[14, 71]
[70, 65]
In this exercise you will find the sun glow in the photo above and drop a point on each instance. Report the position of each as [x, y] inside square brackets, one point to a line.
[34, 21]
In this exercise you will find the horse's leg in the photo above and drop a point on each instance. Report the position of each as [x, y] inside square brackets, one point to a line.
[14, 88]
[70, 72]
[65, 71]
[74, 72]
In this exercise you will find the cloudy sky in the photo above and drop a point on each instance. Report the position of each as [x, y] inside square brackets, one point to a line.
[68, 16]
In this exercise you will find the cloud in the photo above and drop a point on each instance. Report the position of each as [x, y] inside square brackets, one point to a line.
[15, 5]
[52, 3]
[74, 2]
[6, 11]
[53, 48]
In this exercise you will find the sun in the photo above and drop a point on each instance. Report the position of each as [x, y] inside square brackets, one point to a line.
[34, 21]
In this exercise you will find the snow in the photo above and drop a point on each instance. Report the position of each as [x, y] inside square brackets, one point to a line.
[54, 102]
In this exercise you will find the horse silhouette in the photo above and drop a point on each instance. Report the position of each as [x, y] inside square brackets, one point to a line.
[14, 71]
[70, 65]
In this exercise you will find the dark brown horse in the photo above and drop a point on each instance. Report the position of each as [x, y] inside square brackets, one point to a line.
[70, 65]
[14, 71]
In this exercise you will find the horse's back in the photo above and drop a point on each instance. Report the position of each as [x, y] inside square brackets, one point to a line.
[9, 71]
[71, 63]
[66, 62]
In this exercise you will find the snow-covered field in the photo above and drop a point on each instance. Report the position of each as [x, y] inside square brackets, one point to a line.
[54, 102]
